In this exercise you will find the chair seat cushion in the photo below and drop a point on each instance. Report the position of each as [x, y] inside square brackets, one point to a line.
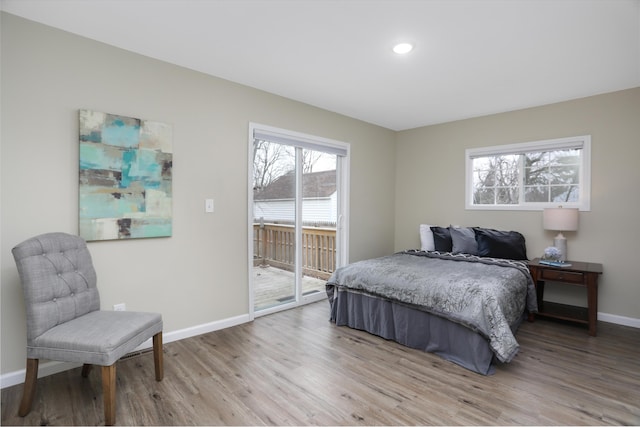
[97, 338]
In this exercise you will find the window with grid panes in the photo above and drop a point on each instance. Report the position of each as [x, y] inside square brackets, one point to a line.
[530, 175]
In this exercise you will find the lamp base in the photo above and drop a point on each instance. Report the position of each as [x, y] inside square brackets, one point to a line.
[560, 242]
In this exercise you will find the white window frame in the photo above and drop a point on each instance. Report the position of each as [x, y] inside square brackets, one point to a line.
[582, 142]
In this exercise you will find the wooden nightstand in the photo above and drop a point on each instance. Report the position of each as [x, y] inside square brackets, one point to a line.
[579, 274]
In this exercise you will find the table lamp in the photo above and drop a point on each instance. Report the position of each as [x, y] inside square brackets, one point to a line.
[560, 219]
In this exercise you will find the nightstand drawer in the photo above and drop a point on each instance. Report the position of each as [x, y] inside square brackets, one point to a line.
[562, 276]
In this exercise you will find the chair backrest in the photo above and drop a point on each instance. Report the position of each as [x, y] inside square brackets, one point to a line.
[58, 280]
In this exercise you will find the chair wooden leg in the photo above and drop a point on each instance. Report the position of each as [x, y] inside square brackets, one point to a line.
[86, 369]
[109, 391]
[157, 356]
[29, 390]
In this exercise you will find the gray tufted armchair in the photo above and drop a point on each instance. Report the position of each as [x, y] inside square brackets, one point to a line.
[64, 320]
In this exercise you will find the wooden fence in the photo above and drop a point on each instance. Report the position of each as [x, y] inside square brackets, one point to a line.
[274, 244]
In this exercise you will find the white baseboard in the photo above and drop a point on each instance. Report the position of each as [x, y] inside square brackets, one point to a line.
[619, 320]
[45, 369]
[51, 367]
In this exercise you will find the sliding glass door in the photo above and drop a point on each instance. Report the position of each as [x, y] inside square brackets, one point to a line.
[297, 206]
[274, 215]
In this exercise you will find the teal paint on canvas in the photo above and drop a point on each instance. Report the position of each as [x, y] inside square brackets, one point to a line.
[141, 166]
[99, 204]
[98, 156]
[121, 132]
[151, 229]
[128, 159]
[125, 186]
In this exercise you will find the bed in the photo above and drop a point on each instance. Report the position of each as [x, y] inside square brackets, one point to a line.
[462, 305]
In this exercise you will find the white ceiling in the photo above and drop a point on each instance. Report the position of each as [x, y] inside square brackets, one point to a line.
[471, 57]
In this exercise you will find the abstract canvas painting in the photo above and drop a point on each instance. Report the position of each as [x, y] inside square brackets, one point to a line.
[125, 177]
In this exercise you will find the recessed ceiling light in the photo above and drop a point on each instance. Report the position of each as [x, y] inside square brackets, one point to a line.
[402, 48]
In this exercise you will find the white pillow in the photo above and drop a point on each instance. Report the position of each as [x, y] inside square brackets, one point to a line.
[426, 238]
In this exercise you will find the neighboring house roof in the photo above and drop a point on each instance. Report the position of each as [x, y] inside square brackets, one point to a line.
[314, 184]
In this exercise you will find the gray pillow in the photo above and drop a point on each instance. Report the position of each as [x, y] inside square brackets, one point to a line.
[463, 240]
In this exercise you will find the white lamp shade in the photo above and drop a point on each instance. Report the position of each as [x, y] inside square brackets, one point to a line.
[560, 219]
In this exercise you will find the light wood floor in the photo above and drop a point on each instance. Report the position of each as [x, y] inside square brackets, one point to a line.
[296, 367]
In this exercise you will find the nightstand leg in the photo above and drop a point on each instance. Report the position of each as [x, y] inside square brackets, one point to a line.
[540, 294]
[592, 302]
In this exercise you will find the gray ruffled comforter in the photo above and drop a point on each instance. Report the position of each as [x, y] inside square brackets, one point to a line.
[487, 295]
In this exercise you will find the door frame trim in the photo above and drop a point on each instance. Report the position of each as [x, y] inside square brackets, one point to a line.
[342, 226]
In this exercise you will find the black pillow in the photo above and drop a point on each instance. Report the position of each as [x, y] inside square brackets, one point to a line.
[500, 244]
[442, 239]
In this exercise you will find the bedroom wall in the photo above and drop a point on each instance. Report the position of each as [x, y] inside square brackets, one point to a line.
[199, 275]
[430, 188]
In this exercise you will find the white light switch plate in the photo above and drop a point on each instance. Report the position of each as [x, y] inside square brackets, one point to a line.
[208, 205]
